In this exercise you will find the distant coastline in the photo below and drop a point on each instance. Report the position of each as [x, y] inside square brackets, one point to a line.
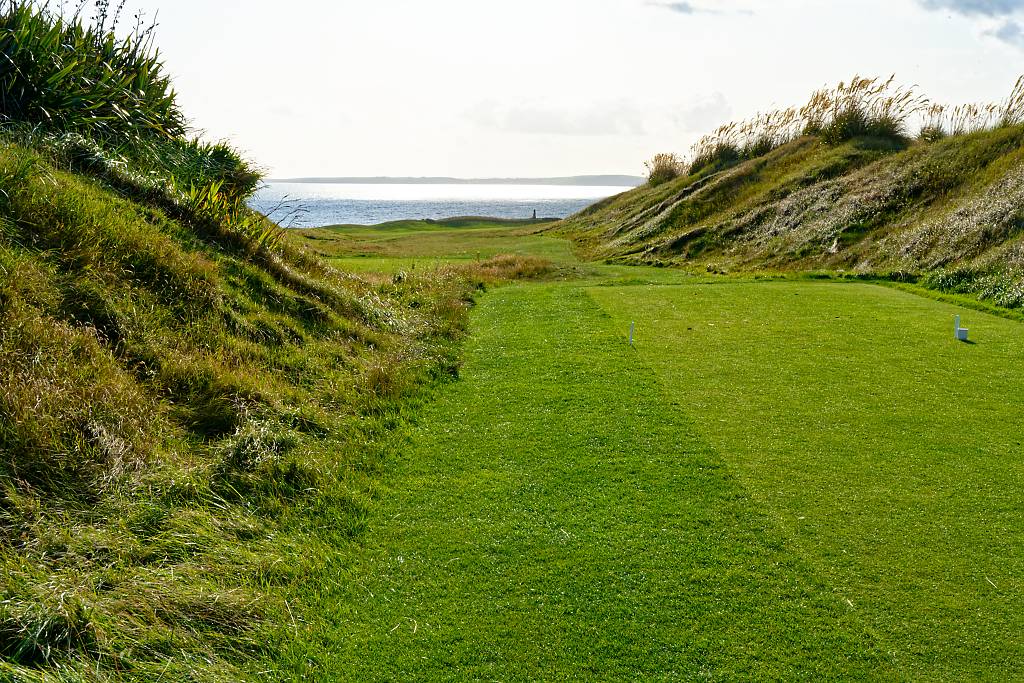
[581, 180]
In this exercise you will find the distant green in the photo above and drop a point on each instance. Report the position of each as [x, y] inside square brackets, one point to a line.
[406, 245]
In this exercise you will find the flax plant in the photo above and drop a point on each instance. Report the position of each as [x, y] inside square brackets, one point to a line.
[70, 75]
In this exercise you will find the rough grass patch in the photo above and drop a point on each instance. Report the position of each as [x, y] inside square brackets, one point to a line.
[70, 412]
[662, 168]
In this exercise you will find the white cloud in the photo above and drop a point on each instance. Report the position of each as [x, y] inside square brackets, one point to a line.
[621, 117]
[682, 7]
[704, 115]
[617, 117]
[983, 8]
[1009, 30]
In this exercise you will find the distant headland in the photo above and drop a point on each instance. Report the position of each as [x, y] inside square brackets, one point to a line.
[594, 180]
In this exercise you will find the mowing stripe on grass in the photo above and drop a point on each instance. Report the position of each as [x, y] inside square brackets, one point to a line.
[554, 517]
[888, 453]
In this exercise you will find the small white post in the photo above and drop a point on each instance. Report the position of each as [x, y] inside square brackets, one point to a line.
[632, 329]
[960, 332]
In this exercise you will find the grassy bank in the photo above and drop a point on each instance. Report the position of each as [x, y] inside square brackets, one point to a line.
[186, 393]
[177, 403]
[943, 210]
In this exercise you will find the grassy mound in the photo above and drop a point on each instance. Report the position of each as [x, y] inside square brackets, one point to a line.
[172, 396]
[948, 212]
[185, 388]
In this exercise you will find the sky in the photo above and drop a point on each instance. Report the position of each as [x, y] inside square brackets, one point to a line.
[528, 88]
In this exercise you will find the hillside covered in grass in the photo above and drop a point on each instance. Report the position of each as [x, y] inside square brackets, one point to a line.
[182, 387]
[840, 185]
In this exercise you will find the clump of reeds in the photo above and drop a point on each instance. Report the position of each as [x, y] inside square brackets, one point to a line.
[721, 147]
[1012, 110]
[941, 121]
[662, 168]
[863, 107]
[932, 127]
[745, 139]
[860, 107]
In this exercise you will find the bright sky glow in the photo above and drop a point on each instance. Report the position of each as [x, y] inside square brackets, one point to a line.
[474, 88]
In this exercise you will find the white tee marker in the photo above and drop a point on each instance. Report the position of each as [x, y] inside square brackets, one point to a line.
[632, 329]
[961, 332]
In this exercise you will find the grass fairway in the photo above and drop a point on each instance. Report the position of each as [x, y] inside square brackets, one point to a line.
[557, 515]
[782, 481]
[405, 245]
[887, 454]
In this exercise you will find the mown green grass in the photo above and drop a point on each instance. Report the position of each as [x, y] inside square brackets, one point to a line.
[408, 245]
[889, 454]
[555, 515]
[782, 481]
[431, 246]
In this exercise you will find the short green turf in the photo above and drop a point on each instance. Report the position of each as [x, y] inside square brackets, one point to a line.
[408, 245]
[781, 481]
[887, 453]
[555, 515]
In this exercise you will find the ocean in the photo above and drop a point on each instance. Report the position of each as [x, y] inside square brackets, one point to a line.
[303, 205]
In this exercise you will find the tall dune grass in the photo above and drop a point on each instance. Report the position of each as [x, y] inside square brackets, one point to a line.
[662, 168]
[941, 120]
[745, 139]
[860, 107]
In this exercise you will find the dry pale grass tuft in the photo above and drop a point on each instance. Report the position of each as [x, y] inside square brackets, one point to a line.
[662, 168]
[860, 107]
[511, 267]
